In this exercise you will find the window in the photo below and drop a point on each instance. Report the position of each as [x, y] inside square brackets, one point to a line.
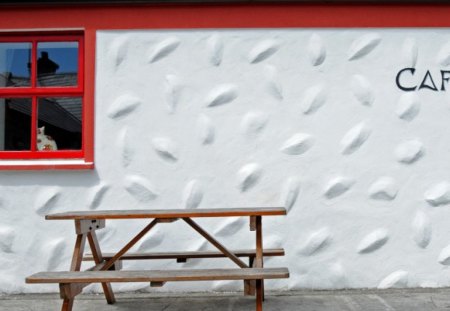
[41, 97]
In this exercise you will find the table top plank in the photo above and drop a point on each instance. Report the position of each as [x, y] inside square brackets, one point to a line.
[191, 254]
[168, 213]
[158, 275]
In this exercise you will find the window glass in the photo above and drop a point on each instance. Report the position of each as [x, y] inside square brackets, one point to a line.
[57, 64]
[15, 60]
[59, 123]
[15, 124]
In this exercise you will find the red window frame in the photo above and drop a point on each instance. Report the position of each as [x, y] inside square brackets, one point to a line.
[35, 92]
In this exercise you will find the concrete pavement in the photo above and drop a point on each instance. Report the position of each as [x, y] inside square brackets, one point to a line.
[346, 300]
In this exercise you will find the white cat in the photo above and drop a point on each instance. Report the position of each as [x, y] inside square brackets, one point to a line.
[45, 142]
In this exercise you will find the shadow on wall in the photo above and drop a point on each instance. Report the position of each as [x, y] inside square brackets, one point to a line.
[63, 178]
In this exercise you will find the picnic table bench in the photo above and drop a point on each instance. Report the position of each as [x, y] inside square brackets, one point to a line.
[107, 268]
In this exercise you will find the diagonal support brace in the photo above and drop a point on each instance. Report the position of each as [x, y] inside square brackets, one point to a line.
[216, 243]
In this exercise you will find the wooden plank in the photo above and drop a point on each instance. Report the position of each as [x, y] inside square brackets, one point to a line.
[158, 275]
[251, 253]
[169, 213]
[216, 243]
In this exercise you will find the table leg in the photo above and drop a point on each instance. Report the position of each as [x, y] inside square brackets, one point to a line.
[98, 258]
[259, 295]
[250, 285]
[77, 257]
[67, 305]
[259, 260]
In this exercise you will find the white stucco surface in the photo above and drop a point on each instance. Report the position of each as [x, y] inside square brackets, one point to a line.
[311, 119]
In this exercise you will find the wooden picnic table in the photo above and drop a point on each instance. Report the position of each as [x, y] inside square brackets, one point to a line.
[108, 266]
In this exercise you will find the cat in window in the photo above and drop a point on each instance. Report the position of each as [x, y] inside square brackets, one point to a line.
[45, 142]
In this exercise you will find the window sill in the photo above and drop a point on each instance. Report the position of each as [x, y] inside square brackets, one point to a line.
[75, 164]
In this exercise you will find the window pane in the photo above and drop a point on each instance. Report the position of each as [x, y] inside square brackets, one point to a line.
[15, 64]
[57, 63]
[59, 123]
[15, 124]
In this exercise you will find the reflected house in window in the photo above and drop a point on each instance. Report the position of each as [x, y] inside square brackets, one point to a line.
[45, 65]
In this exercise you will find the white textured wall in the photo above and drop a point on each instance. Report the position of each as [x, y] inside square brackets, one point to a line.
[309, 119]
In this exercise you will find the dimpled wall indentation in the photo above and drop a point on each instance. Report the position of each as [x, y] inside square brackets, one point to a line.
[151, 240]
[290, 192]
[205, 130]
[140, 188]
[373, 241]
[173, 89]
[47, 200]
[438, 194]
[408, 106]
[163, 49]
[363, 45]
[222, 94]
[215, 48]
[384, 189]
[444, 256]
[316, 242]
[443, 56]
[97, 194]
[409, 151]
[337, 186]
[314, 98]
[396, 279]
[355, 138]
[362, 90]
[410, 52]
[254, 122]
[123, 106]
[297, 144]
[230, 226]
[274, 86]
[422, 230]
[7, 237]
[165, 148]
[248, 176]
[316, 50]
[118, 50]
[192, 194]
[55, 250]
[126, 146]
[106, 234]
[262, 51]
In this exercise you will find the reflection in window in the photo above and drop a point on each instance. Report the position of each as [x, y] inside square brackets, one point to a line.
[57, 63]
[59, 123]
[15, 124]
[14, 64]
